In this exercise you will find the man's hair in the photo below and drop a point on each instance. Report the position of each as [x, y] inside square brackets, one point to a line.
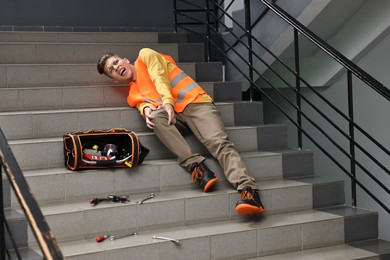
[102, 62]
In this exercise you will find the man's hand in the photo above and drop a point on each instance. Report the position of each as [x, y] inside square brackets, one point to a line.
[171, 114]
[148, 112]
[148, 115]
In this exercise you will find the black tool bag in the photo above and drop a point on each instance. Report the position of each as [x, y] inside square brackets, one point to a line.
[93, 149]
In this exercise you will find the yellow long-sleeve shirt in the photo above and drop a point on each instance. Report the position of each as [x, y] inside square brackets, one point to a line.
[159, 69]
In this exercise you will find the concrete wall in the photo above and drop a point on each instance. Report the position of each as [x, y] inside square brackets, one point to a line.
[371, 113]
[361, 34]
[94, 13]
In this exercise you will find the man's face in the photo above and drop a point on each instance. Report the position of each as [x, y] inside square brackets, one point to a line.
[120, 69]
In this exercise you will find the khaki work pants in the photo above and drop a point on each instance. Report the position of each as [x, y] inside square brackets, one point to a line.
[204, 121]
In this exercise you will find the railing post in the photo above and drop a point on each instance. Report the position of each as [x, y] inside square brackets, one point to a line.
[298, 87]
[207, 4]
[175, 15]
[248, 29]
[216, 14]
[2, 218]
[352, 136]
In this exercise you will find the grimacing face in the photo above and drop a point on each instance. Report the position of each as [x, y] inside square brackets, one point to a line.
[119, 69]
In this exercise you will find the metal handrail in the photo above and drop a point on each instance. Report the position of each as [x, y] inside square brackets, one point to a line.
[252, 25]
[351, 69]
[29, 205]
[332, 52]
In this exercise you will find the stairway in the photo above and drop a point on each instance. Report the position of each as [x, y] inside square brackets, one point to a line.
[49, 86]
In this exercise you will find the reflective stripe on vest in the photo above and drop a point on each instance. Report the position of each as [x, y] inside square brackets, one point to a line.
[189, 87]
[184, 88]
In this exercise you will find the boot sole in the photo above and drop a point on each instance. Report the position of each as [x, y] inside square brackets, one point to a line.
[209, 184]
[245, 209]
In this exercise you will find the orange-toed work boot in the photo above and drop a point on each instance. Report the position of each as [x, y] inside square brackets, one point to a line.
[203, 175]
[249, 203]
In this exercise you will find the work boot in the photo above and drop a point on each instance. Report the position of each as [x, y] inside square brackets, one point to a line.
[203, 175]
[249, 203]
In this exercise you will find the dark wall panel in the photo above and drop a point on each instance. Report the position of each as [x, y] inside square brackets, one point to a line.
[100, 13]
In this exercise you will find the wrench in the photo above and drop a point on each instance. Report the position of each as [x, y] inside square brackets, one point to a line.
[166, 238]
[151, 196]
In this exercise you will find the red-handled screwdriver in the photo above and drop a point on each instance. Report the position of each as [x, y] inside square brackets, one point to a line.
[101, 238]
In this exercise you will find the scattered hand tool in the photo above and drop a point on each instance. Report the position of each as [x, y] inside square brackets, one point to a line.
[166, 238]
[122, 236]
[151, 196]
[112, 198]
[102, 238]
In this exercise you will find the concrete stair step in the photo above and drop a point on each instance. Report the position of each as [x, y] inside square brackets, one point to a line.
[163, 175]
[152, 175]
[294, 231]
[326, 192]
[78, 220]
[43, 98]
[93, 37]
[54, 123]
[356, 227]
[297, 163]
[79, 53]
[46, 153]
[17, 223]
[25, 253]
[41, 75]
[370, 249]
[54, 98]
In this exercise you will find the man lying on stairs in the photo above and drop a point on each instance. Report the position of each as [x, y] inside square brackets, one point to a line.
[170, 101]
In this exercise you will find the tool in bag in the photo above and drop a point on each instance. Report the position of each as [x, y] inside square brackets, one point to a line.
[112, 198]
[93, 149]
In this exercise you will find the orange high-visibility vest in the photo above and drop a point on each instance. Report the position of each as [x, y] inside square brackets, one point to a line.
[184, 88]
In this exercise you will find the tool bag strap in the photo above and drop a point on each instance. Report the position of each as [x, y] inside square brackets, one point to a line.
[76, 151]
[136, 149]
[101, 131]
